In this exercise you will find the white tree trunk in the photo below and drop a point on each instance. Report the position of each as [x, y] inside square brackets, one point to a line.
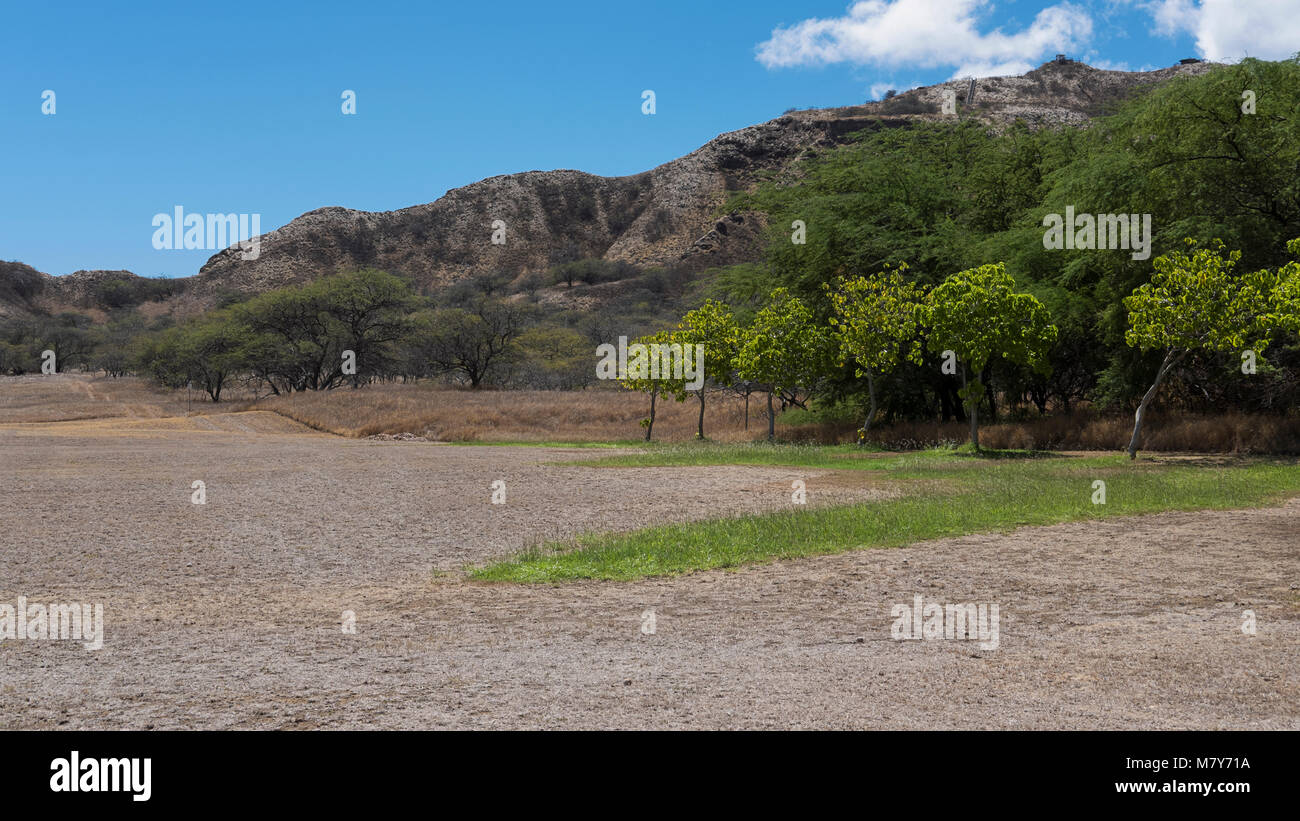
[1169, 361]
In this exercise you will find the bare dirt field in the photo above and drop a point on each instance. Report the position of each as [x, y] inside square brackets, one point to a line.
[228, 614]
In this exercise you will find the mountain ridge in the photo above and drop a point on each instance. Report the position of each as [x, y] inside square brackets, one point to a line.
[665, 216]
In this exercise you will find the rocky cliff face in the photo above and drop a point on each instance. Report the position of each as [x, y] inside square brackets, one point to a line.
[659, 217]
[1056, 93]
[665, 216]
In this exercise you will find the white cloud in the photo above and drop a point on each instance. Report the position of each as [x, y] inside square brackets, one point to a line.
[1172, 16]
[1106, 65]
[1228, 30]
[878, 89]
[987, 69]
[926, 34]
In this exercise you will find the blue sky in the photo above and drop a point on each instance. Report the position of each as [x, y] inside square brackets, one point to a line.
[225, 109]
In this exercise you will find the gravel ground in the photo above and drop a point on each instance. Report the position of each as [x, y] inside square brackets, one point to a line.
[228, 614]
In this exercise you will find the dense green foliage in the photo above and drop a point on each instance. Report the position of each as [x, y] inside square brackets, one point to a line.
[972, 318]
[68, 335]
[978, 316]
[946, 197]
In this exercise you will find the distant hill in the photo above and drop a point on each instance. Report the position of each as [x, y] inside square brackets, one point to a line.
[666, 216]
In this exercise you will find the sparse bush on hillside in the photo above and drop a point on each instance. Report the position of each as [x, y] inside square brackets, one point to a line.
[659, 226]
[19, 283]
[128, 292]
[908, 104]
[590, 272]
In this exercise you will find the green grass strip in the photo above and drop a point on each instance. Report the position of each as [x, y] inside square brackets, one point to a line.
[973, 495]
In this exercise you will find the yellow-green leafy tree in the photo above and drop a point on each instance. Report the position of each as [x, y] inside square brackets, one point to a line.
[784, 351]
[876, 322]
[712, 327]
[1196, 302]
[656, 383]
[978, 315]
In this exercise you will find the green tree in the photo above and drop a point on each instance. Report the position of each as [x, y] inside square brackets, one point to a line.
[712, 327]
[213, 351]
[19, 348]
[206, 352]
[114, 343]
[875, 321]
[68, 336]
[977, 315]
[663, 384]
[299, 334]
[555, 359]
[948, 196]
[475, 343]
[370, 308]
[295, 345]
[784, 350]
[1285, 304]
[1194, 302]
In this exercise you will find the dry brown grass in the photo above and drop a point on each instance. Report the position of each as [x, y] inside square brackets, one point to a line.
[66, 397]
[1227, 433]
[614, 416]
[611, 415]
[445, 414]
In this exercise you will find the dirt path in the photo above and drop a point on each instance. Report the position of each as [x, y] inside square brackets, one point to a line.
[228, 614]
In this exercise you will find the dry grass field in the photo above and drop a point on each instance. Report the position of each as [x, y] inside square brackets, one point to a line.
[73, 396]
[448, 415]
[230, 614]
[615, 415]
[438, 413]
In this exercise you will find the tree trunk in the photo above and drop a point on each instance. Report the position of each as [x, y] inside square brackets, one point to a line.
[945, 404]
[871, 411]
[1169, 361]
[650, 427]
[1038, 395]
[953, 405]
[986, 378]
[699, 434]
[771, 419]
[974, 413]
